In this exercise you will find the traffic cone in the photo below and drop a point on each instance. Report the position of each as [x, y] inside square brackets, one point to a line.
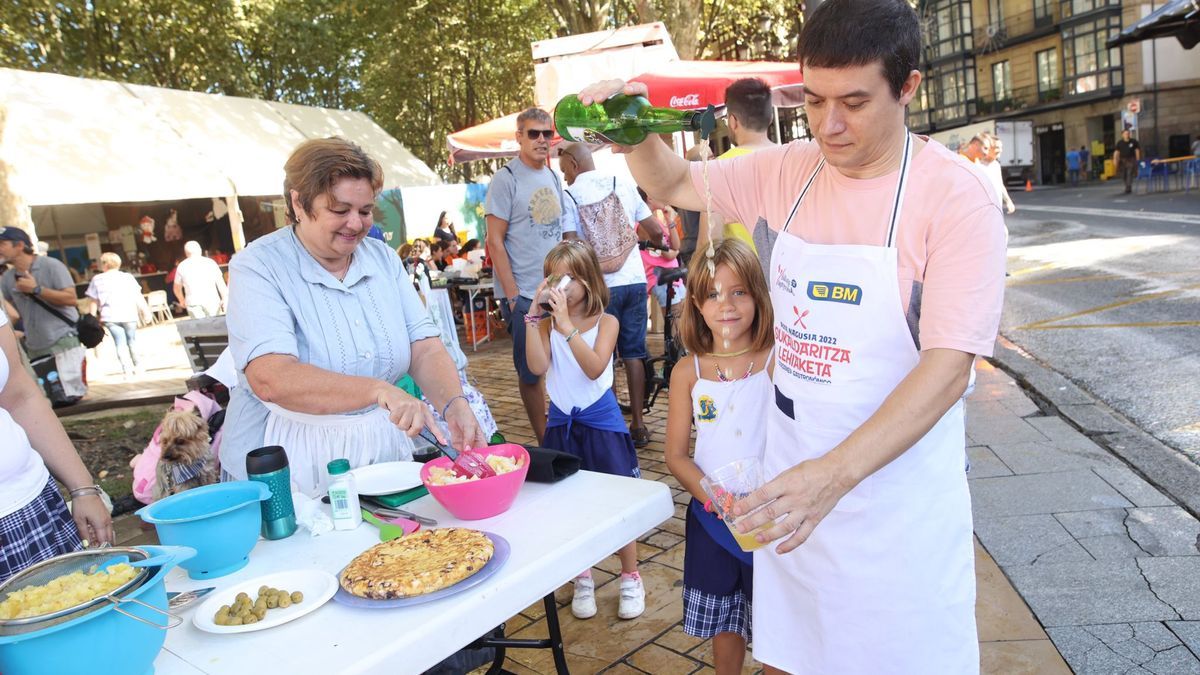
[1028, 185]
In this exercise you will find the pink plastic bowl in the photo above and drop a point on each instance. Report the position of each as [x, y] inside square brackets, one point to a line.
[482, 498]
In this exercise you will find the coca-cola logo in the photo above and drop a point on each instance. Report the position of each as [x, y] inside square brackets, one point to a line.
[686, 101]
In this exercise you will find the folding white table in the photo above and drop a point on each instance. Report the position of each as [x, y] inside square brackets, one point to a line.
[555, 531]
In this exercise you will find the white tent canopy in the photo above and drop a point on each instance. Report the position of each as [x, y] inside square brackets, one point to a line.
[74, 141]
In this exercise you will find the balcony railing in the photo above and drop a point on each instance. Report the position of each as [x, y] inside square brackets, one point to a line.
[1010, 29]
[1019, 98]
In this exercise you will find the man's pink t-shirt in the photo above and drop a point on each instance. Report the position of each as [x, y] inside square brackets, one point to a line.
[951, 235]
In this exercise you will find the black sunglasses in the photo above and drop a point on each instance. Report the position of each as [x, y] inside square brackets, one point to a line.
[533, 134]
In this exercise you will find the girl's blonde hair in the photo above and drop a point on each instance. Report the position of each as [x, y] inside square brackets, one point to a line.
[584, 267]
[693, 331]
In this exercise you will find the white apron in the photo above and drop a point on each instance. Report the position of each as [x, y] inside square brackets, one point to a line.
[312, 441]
[886, 582]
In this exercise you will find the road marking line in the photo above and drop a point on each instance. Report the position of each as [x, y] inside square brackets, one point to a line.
[1095, 277]
[1147, 324]
[1031, 270]
[1113, 305]
[1109, 213]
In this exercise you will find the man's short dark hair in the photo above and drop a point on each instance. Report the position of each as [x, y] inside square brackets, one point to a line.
[850, 33]
[530, 114]
[750, 100]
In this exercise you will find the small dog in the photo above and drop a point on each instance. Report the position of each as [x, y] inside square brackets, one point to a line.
[187, 459]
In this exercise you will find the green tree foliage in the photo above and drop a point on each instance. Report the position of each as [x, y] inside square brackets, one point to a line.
[419, 68]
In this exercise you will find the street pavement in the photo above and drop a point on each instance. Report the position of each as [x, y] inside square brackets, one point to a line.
[1105, 291]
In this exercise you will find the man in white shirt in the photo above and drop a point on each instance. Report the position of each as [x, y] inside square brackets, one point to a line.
[991, 168]
[200, 284]
[626, 286]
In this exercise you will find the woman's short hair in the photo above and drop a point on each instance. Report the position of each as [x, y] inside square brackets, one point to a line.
[693, 331]
[316, 165]
[583, 266]
[110, 261]
[855, 33]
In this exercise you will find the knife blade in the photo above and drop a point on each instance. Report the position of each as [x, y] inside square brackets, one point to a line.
[176, 600]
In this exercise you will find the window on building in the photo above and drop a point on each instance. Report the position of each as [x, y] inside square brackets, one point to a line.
[1049, 84]
[1001, 81]
[1043, 12]
[953, 96]
[995, 12]
[1077, 7]
[950, 28]
[1088, 64]
[918, 109]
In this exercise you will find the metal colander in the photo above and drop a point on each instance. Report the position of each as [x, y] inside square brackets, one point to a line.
[85, 561]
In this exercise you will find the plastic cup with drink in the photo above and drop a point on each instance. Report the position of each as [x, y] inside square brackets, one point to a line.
[730, 483]
[543, 300]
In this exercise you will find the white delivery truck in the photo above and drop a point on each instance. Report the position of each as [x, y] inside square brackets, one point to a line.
[1017, 157]
[1016, 135]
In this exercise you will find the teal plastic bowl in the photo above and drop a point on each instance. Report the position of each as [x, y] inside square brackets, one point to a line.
[220, 521]
[105, 641]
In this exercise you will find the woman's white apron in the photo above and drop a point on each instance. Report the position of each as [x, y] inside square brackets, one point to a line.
[312, 441]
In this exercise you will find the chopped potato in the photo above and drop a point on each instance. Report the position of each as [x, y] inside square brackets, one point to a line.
[66, 591]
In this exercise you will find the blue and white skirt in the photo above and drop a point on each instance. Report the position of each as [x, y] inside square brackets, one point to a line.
[38, 531]
[717, 586]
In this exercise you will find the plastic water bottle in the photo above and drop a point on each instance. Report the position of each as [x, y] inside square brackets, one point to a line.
[343, 496]
[54, 388]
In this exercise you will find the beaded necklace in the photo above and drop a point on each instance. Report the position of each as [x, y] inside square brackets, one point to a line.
[724, 377]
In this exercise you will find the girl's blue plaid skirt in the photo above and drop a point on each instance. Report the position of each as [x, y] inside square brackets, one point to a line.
[40, 530]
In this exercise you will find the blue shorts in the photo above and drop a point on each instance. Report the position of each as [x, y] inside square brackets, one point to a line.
[515, 322]
[628, 304]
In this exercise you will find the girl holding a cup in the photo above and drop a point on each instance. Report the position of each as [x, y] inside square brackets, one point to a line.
[726, 326]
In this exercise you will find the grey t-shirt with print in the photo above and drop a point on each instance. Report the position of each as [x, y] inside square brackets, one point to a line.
[531, 200]
[42, 329]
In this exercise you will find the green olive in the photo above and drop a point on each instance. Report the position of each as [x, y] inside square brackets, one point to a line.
[234, 621]
[297, 597]
[285, 601]
[272, 601]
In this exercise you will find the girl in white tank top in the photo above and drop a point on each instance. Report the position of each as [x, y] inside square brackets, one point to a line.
[726, 393]
[572, 345]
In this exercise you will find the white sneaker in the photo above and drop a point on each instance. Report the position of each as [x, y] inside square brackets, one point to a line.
[583, 603]
[633, 599]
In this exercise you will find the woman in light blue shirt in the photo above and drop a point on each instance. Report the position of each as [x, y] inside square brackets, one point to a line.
[322, 321]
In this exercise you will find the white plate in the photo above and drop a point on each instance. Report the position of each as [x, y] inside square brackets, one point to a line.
[387, 477]
[317, 586]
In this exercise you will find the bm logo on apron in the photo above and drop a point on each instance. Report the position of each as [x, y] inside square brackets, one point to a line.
[828, 291]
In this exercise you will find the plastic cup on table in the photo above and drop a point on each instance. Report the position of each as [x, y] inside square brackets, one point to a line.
[730, 483]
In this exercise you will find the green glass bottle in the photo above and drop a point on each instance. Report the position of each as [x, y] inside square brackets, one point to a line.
[625, 120]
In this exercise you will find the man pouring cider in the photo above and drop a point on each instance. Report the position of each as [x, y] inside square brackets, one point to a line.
[887, 278]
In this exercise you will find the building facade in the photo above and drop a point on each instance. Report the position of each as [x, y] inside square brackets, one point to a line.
[1047, 61]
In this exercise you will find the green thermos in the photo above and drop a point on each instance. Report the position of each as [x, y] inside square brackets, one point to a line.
[270, 465]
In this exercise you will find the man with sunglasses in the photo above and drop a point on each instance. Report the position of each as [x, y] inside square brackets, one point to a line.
[525, 219]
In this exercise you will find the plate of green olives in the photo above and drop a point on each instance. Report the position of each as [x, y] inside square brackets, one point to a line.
[265, 602]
